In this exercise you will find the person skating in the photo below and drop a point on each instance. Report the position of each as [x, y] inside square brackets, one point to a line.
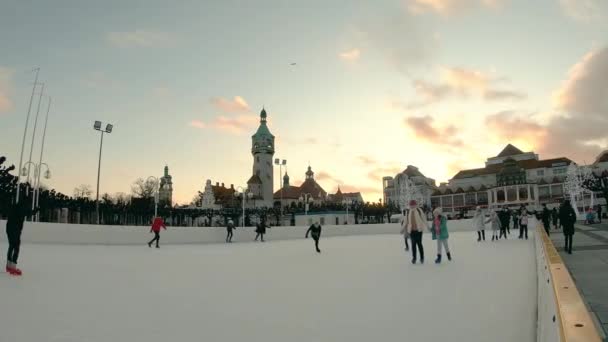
[415, 224]
[599, 213]
[523, 224]
[260, 229]
[156, 226]
[555, 217]
[315, 232]
[567, 218]
[495, 224]
[546, 217]
[515, 217]
[503, 217]
[478, 224]
[229, 228]
[14, 226]
[440, 233]
[404, 232]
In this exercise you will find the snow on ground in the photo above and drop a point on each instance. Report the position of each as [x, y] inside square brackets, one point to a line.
[361, 288]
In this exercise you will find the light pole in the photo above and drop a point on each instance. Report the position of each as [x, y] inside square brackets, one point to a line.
[108, 129]
[156, 185]
[27, 120]
[40, 163]
[37, 171]
[347, 202]
[245, 193]
[34, 130]
[305, 198]
[280, 162]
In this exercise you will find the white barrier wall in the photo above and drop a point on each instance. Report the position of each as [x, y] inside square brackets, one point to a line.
[548, 322]
[59, 233]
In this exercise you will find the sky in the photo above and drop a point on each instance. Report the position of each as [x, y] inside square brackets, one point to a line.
[376, 86]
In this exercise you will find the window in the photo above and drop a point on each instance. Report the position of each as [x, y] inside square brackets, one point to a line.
[446, 201]
[557, 190]
[500, 196]
[523, 193]
[559, 171]
[511, 194]
[543, 192]
[540, 173]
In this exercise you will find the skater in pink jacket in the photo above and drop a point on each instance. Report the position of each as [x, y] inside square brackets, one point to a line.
[156, 226]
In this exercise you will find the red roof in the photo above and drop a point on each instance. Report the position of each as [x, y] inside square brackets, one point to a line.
[289, 192]
[525, 164]
[255, 179]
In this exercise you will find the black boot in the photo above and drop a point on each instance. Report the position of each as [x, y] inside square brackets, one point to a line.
[483, 235]
[449, 256]
[438, 260]
[478, 236]
[414, 261]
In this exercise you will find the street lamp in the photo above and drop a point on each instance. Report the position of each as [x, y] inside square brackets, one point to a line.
[278, 161]
[47, 174]
[37, 173]
[245, 194]
[27, 120]
[347, 202]
[34, 131]
[305, 198]
[156, 185]
[108, 129]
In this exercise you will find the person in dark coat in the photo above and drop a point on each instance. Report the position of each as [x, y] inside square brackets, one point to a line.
[545, 216]
[504, 218]
[599, 213]
[555, 217]
[315, 232]
[229, 228]
[567, 217]
[14, 226]
[260, 229]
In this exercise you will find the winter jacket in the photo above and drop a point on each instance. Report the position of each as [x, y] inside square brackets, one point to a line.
[523, 219]
[443, 229]
[230, 226]
[16, 216]
[567, 218]
[494, 220]
[260, 228]
[478, 219]
[417, 216]
[315, 231]
[157, 225]
[546, 216]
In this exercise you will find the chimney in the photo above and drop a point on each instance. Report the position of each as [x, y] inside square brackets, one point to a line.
[223, 185]
[231, 186]
[217, 183]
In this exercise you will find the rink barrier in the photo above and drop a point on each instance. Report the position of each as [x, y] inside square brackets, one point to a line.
[562, 313]
[81, 234]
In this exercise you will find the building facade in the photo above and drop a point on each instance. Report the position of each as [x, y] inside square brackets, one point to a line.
[262, 149]
[410, 183]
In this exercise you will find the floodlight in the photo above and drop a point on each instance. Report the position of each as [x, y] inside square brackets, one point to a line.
[109, 128]
[97, 125]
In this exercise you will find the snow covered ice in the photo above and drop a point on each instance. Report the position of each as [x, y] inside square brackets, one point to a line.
[360, 288]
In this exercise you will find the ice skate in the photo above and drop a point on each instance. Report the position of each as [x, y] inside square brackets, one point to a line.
[438, 260]
[449, 256]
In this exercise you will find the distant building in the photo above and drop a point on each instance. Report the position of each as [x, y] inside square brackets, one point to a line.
[345, 197]
[289, 194]
[165, 191]
[262, 150]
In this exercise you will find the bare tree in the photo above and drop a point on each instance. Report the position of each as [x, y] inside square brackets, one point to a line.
[122, 198]
[144, 188]
[83, 191]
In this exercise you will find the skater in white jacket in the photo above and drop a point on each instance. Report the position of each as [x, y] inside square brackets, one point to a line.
[495, 222]
[478, 224]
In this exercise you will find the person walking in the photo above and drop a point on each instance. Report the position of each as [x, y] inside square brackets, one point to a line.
[478, 224]
[404, 232]
[515, 217]
[14, 227]
[555, 217]
[260, 229]
[545, 216]
[415, 224]
[440, 233]
[229, 228]
[599, 213]
[157, 224]
[495, 224]
[315, 232]
[523, 224]
[567, 217]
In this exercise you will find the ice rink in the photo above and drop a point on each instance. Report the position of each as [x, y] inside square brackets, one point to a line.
[360, 288]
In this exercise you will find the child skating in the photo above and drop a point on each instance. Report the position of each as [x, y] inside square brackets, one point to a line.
[156, 226]
[315, 232]
[404, 232]
[440, 233]
[478, 224]
[495, 224]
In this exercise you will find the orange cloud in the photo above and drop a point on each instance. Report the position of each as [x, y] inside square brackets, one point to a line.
[236, 105]
[233, 125]
[424, 129]
[449, 7]
[378, 173]
[6, 103]
[366, 160]
[197, 124]
[350, 55]
[140, 38]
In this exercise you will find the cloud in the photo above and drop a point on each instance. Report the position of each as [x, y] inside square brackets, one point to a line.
[378, 173]
[449, 7]
[6, 104]
[366, 160]
[460, 82]
[140, 38]
[423, 129]
[578, 127]
[236, 105]
[197, 124]
[350, 55]
[585, 11]
[236, 125]
[322, 175]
